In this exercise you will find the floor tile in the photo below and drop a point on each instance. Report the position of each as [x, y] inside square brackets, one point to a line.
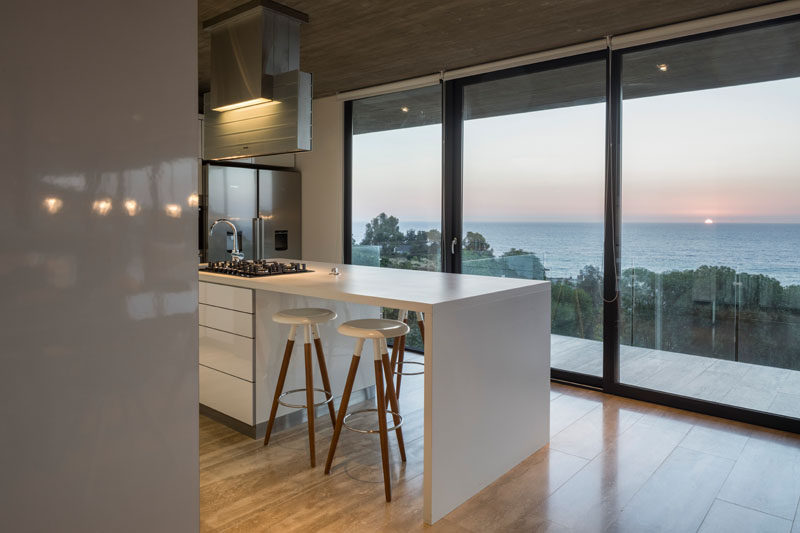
[750, 397]
[766, 478]
[719, 442]
[592, 498]
[568, 408]
[786, 404]
[596, 430]
[726, 517]
[496, 508]
[791, 385]
[678, 495]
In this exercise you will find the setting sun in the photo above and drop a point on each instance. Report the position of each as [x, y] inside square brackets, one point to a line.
[709, 221]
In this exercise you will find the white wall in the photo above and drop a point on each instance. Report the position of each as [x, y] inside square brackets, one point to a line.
[98, 334]
[323, 169]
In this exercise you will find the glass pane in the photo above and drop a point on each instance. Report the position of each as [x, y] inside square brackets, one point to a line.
[533, 196]
[396, 172]
[710, 284]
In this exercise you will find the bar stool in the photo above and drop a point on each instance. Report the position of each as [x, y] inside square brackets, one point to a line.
[378, 330]
[399, 351]
[309, 319]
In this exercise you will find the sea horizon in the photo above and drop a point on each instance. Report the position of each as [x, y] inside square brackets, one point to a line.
[565, 247]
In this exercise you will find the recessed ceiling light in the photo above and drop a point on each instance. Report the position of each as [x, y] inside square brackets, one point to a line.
[663, 67]
[404, 109]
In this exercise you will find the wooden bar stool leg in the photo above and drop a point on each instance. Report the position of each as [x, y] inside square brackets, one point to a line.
[421, 325]
[287, 355]
[323, 370]
[387, 482]
[309, 394]
[392, 399]
[348, 388]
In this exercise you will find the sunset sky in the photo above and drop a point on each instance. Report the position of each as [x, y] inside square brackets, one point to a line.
[730, 154]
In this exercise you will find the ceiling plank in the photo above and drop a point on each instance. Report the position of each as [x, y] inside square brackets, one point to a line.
[351, 44]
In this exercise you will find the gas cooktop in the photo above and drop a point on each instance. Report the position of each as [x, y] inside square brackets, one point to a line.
[255, 269]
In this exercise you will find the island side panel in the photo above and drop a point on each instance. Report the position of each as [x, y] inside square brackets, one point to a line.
[487, 394]
[271, 342]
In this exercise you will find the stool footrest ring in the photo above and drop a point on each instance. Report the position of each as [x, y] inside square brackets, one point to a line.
[398, 373]
[328, 398]
[357, 430]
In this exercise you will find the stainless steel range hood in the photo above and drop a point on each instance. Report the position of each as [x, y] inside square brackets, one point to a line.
[260, 102]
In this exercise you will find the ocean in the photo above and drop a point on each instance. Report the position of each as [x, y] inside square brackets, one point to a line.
[566, 247]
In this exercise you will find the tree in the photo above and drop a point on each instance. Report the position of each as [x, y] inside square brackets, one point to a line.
[519, 263]
[590, 280]
[384, 231]
[516, 251]
[476, 247]
[416, 244]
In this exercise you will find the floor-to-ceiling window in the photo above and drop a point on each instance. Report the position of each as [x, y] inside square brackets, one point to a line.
[656, 187]
[396, 163]
[710, 280]
[533, 178]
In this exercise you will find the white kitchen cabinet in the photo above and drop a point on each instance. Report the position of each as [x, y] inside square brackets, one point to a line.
[228, 320]
[225, 296]
[227, 394]
[227, 350]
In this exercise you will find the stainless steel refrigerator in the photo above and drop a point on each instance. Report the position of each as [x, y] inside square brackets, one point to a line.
[264, 205]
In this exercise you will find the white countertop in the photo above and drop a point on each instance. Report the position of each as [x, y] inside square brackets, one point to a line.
[405, 289]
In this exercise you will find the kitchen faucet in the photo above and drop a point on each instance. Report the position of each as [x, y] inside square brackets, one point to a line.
[236, 255]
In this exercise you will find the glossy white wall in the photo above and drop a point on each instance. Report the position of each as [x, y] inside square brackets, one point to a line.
[323, 169]
[98, 283]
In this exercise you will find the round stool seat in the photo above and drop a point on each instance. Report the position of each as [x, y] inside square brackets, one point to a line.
[374, 328]
[303, 315]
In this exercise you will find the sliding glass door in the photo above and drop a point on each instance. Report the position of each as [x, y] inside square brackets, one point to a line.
[533, 177]
[656, 187]
[710, 281]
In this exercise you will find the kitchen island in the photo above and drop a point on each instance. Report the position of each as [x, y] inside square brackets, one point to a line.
[487, 361]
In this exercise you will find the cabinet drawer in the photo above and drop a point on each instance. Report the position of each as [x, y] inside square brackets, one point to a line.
[227, 394]
[226, 352]
[225, 296]
[226, 320]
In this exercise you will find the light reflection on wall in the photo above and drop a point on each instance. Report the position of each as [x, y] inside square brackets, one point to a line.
[102, 207]
[52, 204]
[173, 210]
[131, 207]
[193, 200]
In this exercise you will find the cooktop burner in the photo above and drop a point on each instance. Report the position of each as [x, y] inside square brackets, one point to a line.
[255, 269]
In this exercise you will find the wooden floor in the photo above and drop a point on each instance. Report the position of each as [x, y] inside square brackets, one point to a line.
[763, 388]
[613, 464]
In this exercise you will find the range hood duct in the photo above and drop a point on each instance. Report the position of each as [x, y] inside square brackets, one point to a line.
[260, 102]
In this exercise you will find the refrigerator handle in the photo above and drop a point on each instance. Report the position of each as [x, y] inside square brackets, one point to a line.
[258, 238]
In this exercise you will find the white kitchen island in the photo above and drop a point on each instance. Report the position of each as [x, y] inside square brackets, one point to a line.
[487, 364]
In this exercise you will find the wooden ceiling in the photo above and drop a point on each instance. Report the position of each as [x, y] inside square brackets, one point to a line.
[766, 53]
[351, 44]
